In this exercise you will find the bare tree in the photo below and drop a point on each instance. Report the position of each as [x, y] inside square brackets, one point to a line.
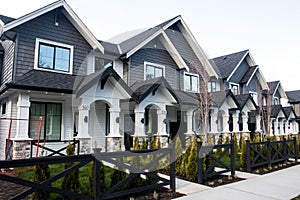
[265, 110]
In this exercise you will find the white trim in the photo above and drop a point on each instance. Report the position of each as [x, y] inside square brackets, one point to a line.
[196, 48]
[191, 74]
[36, 55]
[256, 68]
[235, 84]
[70, 14]
[154, 65]
[233, 71]
[262, 80]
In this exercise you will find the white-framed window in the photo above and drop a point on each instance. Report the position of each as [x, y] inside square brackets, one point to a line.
[153, 70]
[234, 88]
[191, 82]
[254, 96]
[212, 86]
[53, 56]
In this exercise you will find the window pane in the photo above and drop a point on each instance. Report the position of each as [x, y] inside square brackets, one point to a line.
[53, 121]
[62, 59]
[158, 72]
[187, 83]
[149, 72]
[194, 83]
[46, 54]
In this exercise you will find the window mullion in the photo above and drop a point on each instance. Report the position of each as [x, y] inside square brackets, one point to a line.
[54, 56]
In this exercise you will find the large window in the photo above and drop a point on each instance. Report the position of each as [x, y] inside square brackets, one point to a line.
[234, 89]
[53, 56]
[191, 82]
[153, 71]
[51, 114]
[212, 86]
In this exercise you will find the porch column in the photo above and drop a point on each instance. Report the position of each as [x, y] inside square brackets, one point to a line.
[235, 120]
[258, 125]
[139, 124]
[281, 131]
[21, 141]
[162, 128]
[83, 129]
[214, 122]
[294, 127]
[113, 139]
[245, 123]
[189, 123]
[225, 123]
[275, 126]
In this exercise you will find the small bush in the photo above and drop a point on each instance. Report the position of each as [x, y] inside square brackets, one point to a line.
[41, 173]
[243, 157]
[192, 165]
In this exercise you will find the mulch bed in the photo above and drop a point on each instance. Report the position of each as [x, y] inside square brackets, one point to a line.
[273, 168]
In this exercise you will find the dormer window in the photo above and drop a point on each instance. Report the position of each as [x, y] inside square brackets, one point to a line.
[153, 70]
[53, 56]
[275, 101]
[234, 88]
[191, 82]
[212, 86]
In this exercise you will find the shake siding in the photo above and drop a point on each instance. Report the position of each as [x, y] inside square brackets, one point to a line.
[44, 27]
[157, 56]
[240, 72]
[8, 60]
[185, 50]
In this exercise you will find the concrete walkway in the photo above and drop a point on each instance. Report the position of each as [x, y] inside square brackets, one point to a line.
[283, 184]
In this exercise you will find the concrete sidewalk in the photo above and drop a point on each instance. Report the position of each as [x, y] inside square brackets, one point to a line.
[283, 184]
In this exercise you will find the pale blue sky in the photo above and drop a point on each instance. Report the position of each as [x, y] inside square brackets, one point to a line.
[269, 28]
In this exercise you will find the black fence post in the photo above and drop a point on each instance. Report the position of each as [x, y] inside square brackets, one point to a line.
[173, 168]
[96, 188]
[269, 152]
[295, 148]
[285, 153]
[31, 149]
[232, 158]
[200, 162]
[248, 162]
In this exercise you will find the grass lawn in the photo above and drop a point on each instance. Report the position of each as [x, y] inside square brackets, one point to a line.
[227, 161]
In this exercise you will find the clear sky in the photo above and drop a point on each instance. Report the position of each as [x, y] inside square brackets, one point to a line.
[270, 29]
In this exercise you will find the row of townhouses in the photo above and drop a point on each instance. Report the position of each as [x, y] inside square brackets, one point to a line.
[59, 82]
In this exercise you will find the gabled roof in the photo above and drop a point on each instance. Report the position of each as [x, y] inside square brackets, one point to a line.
[187, 98]
[39, 80]
[101, 75]
[69, 13]
[276, 86]
[242, 100]
[6, 19]
[141, 89]
[219, 97]
[227, 64]
[288, 111]
[248, 75]
[275, 110]
[293, 96]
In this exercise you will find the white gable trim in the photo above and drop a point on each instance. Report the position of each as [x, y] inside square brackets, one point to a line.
[262, 80]
[196, 48]
[233, 71]
[251, 76]
[69, 13]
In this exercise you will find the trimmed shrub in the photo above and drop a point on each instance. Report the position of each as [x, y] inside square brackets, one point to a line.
[243, 157]
[136, 145]
[41, 173]
[219, 150]
[235, 144]
[192, 165]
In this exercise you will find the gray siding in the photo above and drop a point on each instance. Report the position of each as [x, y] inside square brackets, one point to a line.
[8, 61]
[253, 86]
[240, 72]
[44, 27]
[157, 56]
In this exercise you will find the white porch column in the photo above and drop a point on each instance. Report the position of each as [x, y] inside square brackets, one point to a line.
[139, 125]
[21, 141]
[275, 126]
[245, 123]
[258, 125]
[214, 121]
[235, 119]
[281, 131]
[23, 114]
[225, 123]
[83, 129]
[161, 118]
[189, 122]
[114, 127]
[294, 126]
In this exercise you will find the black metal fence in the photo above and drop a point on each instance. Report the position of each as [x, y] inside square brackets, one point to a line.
[207, 152]
[270, 152]
[82, 160]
